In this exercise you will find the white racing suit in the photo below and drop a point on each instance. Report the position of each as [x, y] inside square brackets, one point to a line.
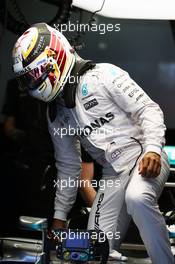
[117, 123]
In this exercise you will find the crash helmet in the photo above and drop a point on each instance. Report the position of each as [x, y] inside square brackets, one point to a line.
[42, 61]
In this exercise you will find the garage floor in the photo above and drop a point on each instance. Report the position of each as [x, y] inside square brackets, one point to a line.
[16, 249]
[130, 261]
[134, 257]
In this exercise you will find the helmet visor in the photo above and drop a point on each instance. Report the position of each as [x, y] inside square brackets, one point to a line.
[33, 79]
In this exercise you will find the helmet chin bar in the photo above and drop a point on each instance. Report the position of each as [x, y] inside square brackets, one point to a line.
[43, 92]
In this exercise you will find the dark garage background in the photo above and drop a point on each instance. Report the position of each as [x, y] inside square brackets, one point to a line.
[146, 49]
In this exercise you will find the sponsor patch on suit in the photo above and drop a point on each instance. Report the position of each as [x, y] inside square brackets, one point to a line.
[90, 104]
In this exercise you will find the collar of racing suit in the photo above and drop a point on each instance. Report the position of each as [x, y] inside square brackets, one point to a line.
[68, 95]
[81, 66]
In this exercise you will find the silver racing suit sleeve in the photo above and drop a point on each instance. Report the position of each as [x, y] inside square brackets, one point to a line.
[68, 165]
[131, 98]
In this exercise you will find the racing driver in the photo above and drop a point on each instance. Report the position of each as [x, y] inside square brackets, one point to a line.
[117, 123]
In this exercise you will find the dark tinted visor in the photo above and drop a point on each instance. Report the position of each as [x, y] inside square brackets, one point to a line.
[34, 78]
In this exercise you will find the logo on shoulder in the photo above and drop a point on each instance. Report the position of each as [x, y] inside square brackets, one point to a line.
[113, 71]
[84, 89]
